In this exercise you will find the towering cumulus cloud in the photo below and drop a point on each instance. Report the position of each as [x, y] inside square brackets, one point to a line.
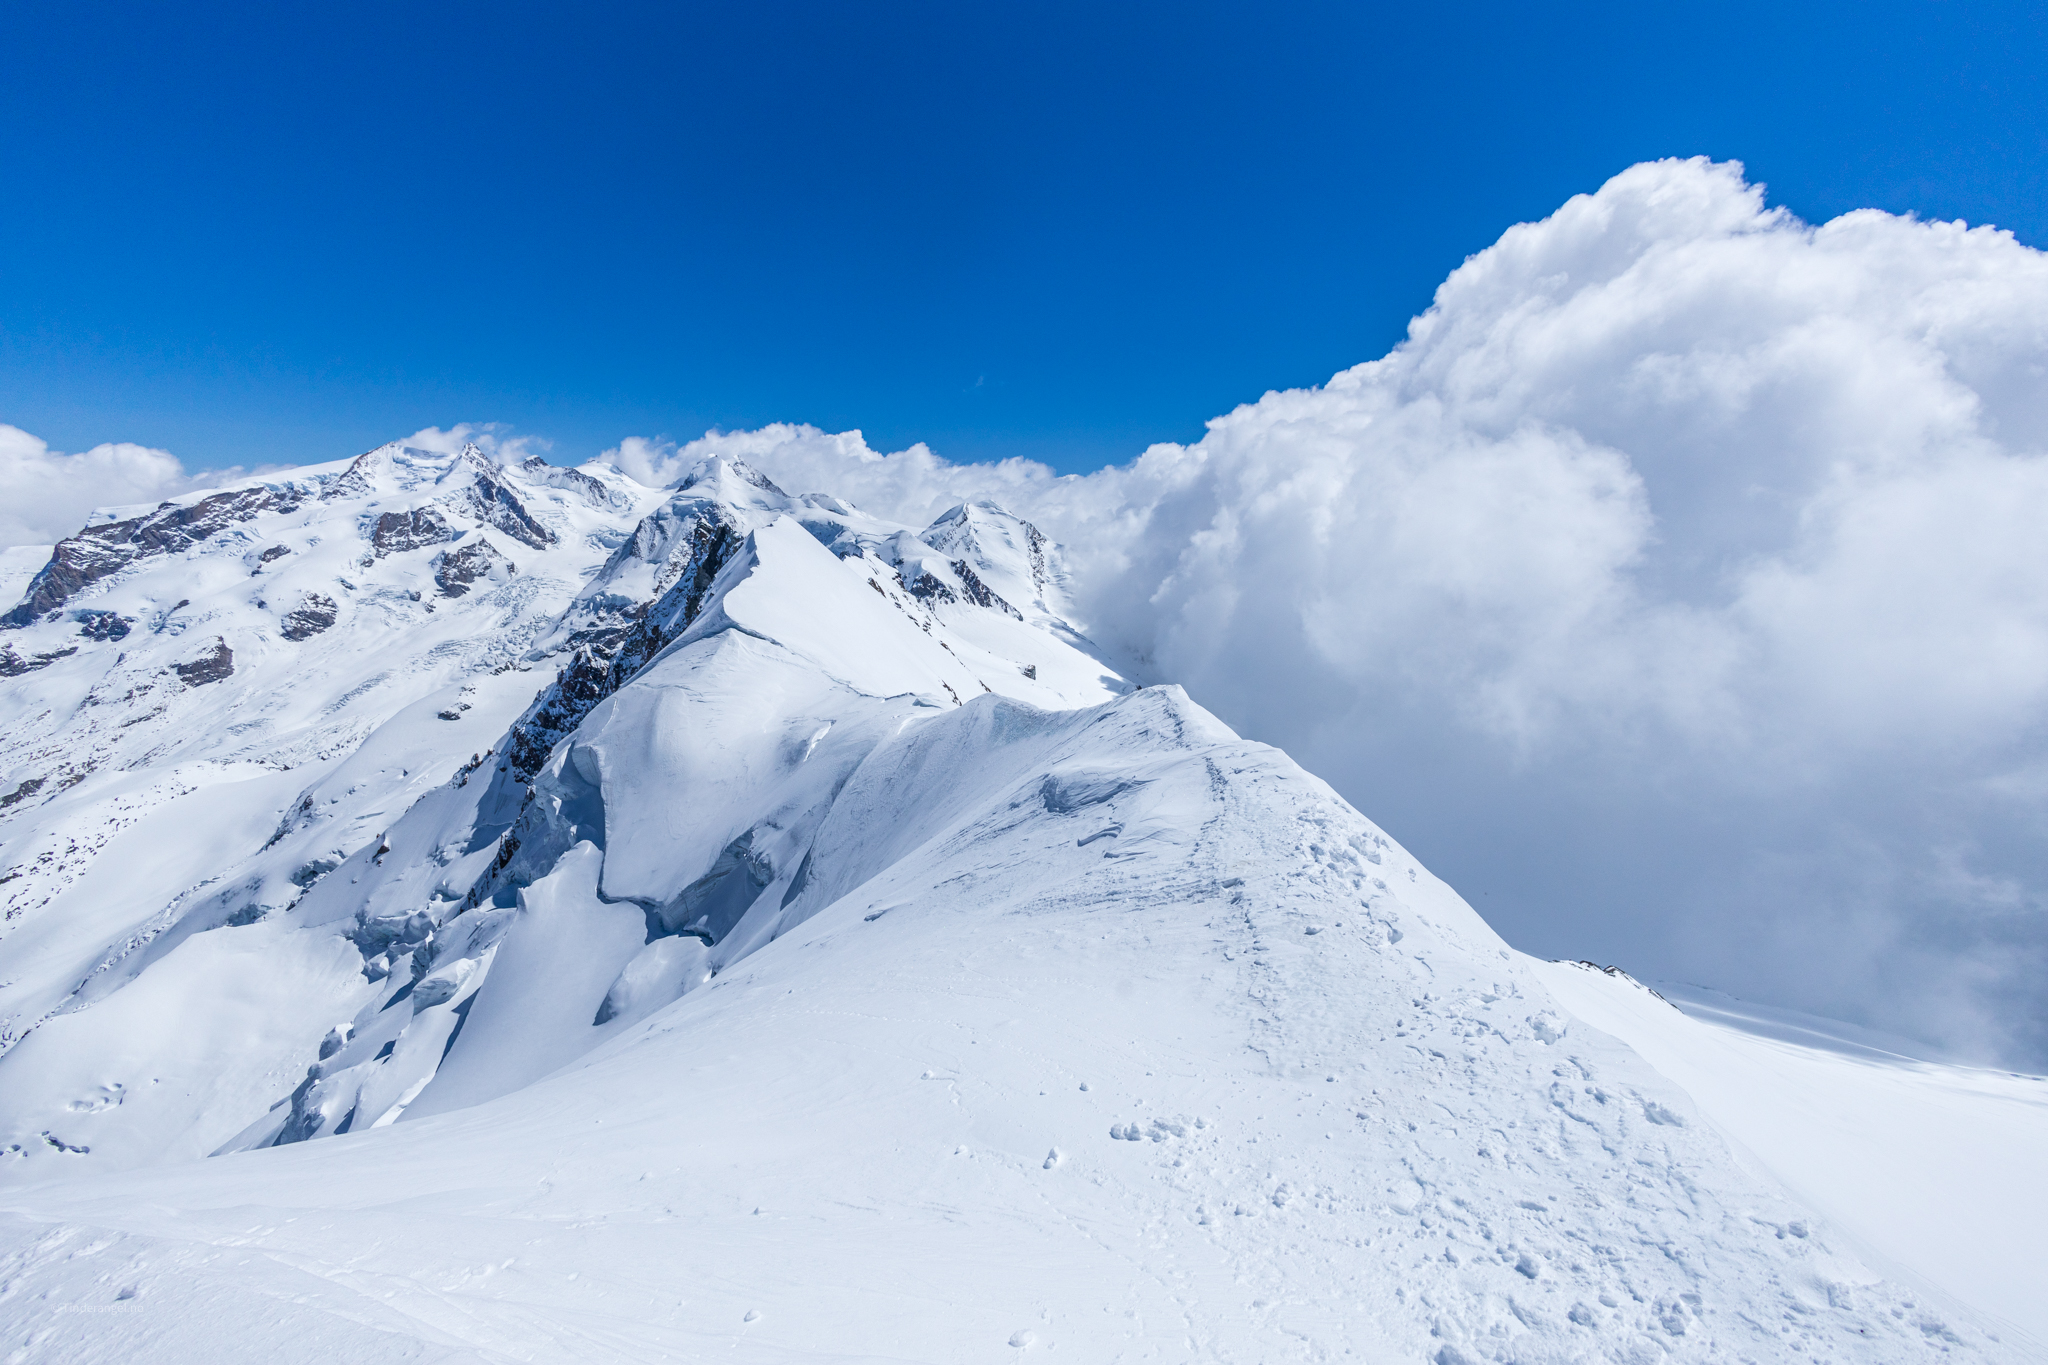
[1678, 587]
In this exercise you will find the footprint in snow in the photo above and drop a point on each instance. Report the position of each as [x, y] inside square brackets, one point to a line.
[1159, 1130]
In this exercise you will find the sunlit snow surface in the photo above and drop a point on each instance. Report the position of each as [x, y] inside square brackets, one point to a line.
[872, 976]
[1934, 1170]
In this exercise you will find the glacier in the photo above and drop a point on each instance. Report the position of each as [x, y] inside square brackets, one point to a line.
[473, 912]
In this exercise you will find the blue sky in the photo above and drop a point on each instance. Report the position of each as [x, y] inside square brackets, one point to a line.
[263, 233]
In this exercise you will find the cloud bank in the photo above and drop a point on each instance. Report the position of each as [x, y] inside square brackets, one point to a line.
[494, 439]
[1678, 588]
[46, 495]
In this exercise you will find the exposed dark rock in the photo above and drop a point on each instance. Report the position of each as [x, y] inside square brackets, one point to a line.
[411, 530]
[13, 665]
[979, 592]
[212, 666]
[98, 551]
[274, 552]
[602, 661]
[22, 792]
[928, 587]
[493, 504]
[104, 625]
[313, 615]
[461, 567]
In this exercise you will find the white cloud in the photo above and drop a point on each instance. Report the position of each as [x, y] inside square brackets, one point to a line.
[46, 495]
[492, 438]
[1676, 521]
[910, 485]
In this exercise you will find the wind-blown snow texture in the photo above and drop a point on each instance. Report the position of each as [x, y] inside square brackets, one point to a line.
[590, 922]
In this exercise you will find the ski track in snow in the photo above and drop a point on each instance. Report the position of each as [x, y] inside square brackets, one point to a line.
[870, 975]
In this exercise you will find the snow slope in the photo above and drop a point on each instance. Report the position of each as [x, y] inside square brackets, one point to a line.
[835, 961]
[1934, 1170]
[218, 702]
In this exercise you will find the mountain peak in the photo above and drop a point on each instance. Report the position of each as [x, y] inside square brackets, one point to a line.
[729, 478]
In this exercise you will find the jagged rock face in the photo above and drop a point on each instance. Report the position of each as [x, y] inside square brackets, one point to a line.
[493, 504]
[96, 552]
[413, 529]
[213, 666]
[603, 661]
[471, 486]
[316, 612]
[668, 545]
[925, 584]
[461, 568]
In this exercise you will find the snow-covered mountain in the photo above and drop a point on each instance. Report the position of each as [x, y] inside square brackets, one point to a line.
[459, 912]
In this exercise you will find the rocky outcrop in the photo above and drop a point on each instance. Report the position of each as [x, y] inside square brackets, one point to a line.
[928, 587]
[98, 551]
[493, 504]
[104, 625]
[210, 667]
[313, 614]
[13, 665]
[23, 792]
[414, 529]
[462, 567]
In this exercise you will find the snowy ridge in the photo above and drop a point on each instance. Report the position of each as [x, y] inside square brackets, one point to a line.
[833, 960]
